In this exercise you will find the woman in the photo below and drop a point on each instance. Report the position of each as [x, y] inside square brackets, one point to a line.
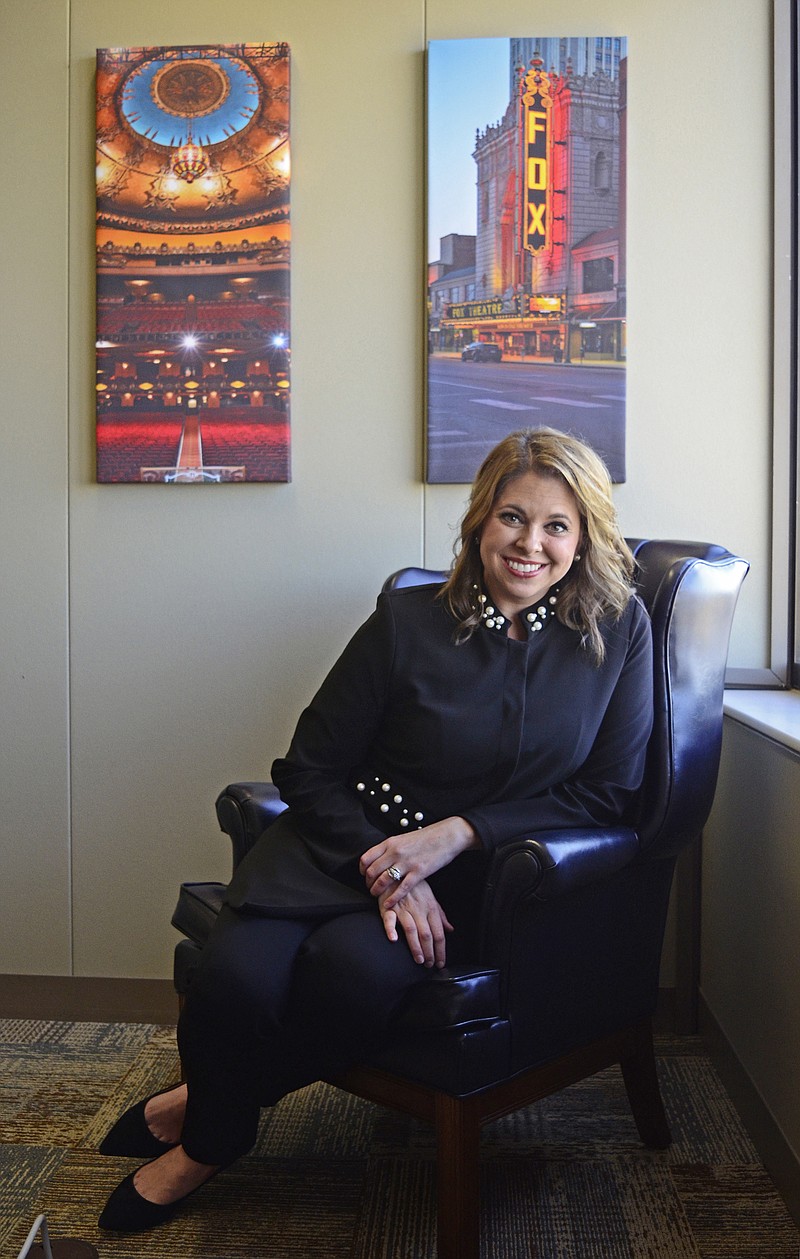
[514, 698]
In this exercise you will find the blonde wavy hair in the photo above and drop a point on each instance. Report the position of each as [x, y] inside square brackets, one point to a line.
[598, 586]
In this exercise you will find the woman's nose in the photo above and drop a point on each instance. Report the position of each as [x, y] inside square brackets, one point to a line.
[530, 539]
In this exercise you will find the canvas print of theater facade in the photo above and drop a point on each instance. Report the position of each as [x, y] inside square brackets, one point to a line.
[193, 238]
[526, 296]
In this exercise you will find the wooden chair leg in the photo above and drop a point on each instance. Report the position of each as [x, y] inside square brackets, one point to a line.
[687, 893]
[458, 1179]
[641, 1081]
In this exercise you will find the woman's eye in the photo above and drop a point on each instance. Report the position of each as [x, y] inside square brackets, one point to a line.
[510, 517]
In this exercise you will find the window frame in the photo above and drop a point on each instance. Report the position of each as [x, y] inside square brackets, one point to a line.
[784, 669]
[791, 173]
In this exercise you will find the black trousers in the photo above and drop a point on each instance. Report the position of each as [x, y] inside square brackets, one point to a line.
[275, 1004]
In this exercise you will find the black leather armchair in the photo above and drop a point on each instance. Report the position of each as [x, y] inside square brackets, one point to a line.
[566, 981]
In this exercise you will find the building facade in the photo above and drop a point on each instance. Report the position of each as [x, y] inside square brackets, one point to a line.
[550, 190]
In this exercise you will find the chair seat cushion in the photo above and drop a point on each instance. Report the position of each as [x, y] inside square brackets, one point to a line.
[452, 998]
[186, 960]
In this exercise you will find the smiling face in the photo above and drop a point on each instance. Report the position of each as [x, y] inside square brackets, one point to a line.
[528, 540]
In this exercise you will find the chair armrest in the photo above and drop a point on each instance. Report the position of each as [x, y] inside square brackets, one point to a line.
[244, 811]
[541, 868]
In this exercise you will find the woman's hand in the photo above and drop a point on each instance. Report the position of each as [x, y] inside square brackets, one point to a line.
[423, 922]
[415, 855]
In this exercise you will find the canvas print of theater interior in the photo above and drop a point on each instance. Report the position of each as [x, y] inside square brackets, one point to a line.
[526, 245]
[193, 237]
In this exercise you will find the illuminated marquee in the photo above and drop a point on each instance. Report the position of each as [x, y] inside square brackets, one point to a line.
[537, 106]
[475, 310]
[545, 305]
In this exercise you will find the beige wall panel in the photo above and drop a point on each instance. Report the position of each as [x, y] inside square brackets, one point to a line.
[751, 916]
[34, 784]
[699, 271]
[203, 620]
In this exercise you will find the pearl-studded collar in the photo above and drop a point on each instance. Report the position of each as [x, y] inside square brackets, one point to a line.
[533, 618]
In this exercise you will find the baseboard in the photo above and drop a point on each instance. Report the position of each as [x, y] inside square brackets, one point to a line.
[84, 999]
[773, 1149]
[90, 999]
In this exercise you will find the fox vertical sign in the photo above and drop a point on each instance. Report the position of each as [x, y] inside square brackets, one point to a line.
[536, 130]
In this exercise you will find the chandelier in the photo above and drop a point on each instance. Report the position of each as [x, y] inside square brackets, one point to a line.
[190, 161]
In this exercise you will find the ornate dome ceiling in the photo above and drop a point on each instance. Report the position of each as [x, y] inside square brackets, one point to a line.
[192, 138]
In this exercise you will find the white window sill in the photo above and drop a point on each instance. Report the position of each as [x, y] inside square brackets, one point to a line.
[773, 713]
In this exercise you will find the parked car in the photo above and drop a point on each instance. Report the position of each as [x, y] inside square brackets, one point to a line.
[482, 352]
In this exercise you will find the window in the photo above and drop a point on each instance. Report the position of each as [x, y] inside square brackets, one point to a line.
[484, 203]
[602, 173]
[785, 609]
[598, 275]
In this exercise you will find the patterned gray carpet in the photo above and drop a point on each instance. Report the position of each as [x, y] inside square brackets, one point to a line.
[333, 1177]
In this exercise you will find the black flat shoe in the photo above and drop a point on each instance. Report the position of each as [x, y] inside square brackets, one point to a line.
[128, 1212]
[131, 1138]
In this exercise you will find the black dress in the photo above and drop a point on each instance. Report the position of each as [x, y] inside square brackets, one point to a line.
[299, 980]
[409, 728]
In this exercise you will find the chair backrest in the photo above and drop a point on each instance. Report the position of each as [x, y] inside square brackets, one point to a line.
[690, 590]
[414, 577]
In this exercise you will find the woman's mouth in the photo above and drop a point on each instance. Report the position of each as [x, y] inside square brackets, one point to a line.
[522, 568]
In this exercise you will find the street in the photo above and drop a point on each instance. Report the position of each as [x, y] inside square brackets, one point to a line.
[471, 406]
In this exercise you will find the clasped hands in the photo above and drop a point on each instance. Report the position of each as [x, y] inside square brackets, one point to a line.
[409, 902]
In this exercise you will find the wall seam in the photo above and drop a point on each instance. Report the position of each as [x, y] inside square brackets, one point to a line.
[68, 418]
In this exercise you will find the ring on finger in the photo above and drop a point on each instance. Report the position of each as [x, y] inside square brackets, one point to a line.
[394, 873]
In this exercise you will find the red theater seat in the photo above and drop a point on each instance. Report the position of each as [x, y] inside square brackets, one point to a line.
[126, 445]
